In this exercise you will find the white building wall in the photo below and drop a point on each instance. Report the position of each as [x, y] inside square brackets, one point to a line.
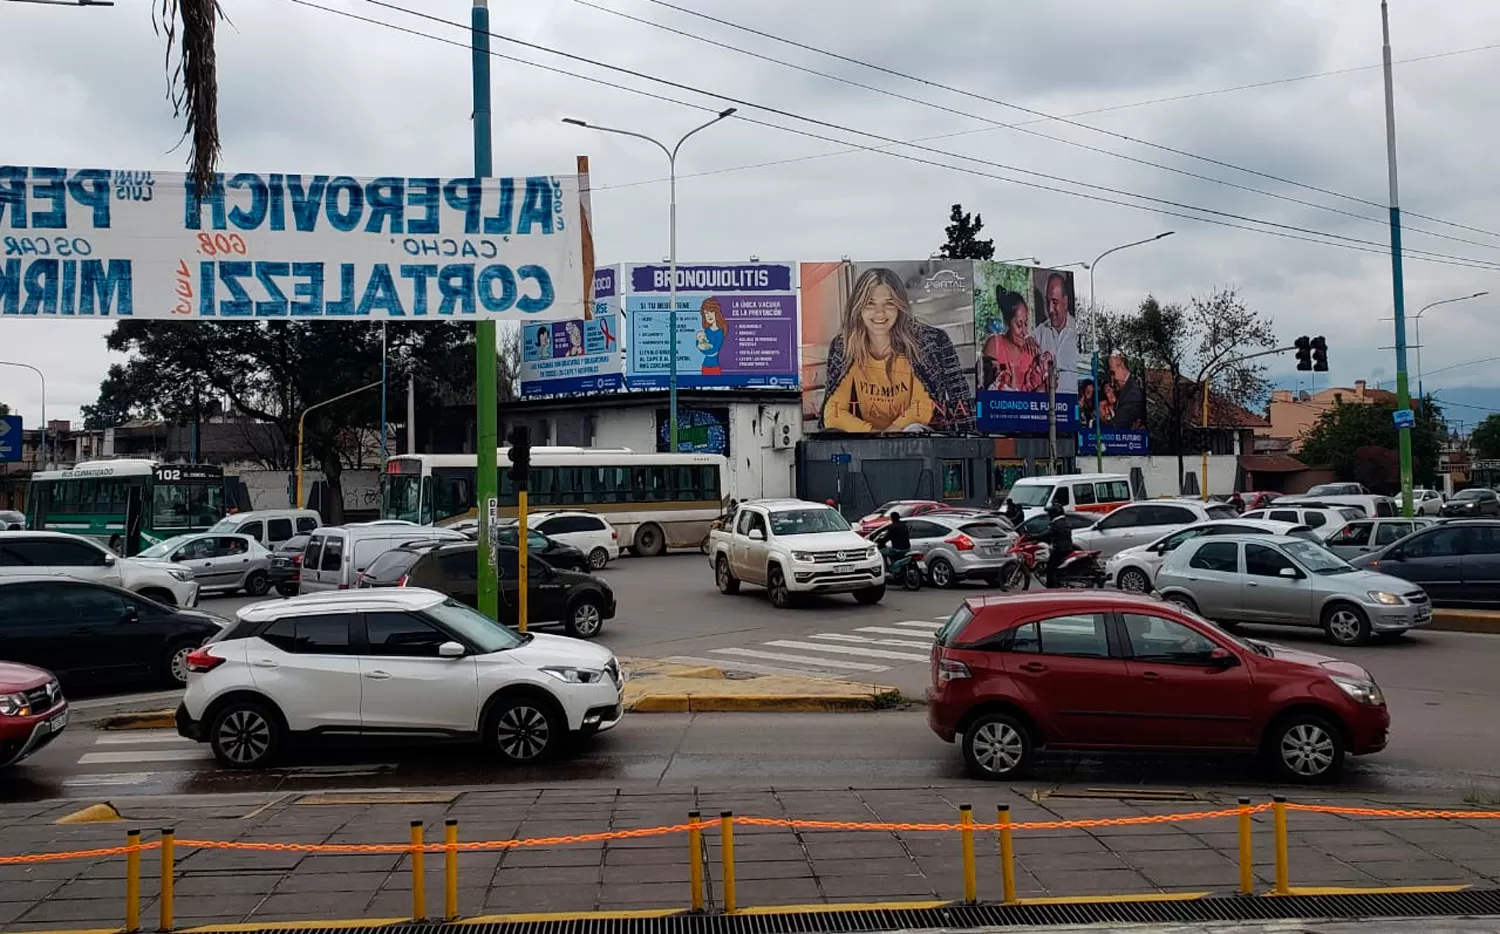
[1160, 472]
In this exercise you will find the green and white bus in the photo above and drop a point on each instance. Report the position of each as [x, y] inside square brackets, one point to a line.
[127, 504]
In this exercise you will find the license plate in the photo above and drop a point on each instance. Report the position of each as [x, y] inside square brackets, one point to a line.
[843, 569]
[58, 722]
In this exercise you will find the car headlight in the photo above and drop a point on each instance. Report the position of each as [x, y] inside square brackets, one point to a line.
[871, 552]
[575, 675]
[14, 705]
[180, 574]
[1385, 599]
[1365, 692]
[805, 557]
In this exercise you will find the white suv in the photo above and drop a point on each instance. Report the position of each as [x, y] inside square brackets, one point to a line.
[407, 663]
[60, 554]
[583, 530]
[793, 547]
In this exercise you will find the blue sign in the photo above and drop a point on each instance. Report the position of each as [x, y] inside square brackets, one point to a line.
[10, 438]
[1121, 441]
[1006, 412]
[584, 355]
[842, 458]
[1404, 418]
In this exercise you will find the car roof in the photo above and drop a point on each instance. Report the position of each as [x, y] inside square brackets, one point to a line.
[1252, 539]
[1067, 599]
[347, 601]
[17, 533]
[263, 513]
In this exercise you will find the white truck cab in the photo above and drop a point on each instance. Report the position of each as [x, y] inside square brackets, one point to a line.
[793, 547]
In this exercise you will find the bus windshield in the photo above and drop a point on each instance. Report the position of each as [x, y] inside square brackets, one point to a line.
[186, 505]
[401, 497]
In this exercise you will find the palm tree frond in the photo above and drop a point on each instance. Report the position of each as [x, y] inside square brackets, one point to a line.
[192, 78]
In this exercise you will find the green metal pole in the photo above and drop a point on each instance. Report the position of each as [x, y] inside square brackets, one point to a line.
[1403, 390]
[487, 418]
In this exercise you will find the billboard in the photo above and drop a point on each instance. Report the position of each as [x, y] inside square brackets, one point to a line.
[736, 326]
[1118, 403]
[580, 354]
[888, 347]
[699, 431]
[1025, 325]
[91, 243]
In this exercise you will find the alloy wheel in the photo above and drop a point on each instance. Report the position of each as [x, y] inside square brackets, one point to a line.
[998, 747]
[245, 737]
[523, 733]
[586, 619]
[1308, 750]
[1133, 581]
[177, 665]
[1344, 626]
[942, 573]
[598, 558]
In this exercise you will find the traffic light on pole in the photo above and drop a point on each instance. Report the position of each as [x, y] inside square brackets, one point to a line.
[1304, 352]
[520, 455]
[1320, 354]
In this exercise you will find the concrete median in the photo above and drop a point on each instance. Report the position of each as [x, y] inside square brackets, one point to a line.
[1481, 621]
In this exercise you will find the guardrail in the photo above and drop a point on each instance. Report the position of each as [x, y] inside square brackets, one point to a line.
[966, 827]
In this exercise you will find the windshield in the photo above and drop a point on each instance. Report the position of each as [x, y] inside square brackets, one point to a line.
[1316, 558]
[482, 632]
[162, 549]
[225, 524]
[1468, 494]
[1329, 489]
[186, 505]
[807, 521]
[401, 497]
[391, 565]
[1030, 494]
[297, 543]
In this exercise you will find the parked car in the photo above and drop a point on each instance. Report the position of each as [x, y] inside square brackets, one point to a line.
[1142, 522]
[1472, 503]
[30, 554]
[1427, 502]
[906, 508]
[585, 531]
[578, 601]
[337, 555]
[1109, 671]
[1134, 569]
[1456, 561]
[1346, 494]
[1287, 581]
[1097, 493]
[32, 710]
[270, 527]
[220, 563]
[793, 547]
[90, 634]
[559, 554]
[1360, 536]
[12, 521]
[403, 663]
[1314, 517]
[956, 547]
[1258, 500]
[286, 564]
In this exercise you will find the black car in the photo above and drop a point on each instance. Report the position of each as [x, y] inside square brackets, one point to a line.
[89, 634]
[1456, 561]
[286, 564]
[579, 602]
[559, 555]
[1475, 502]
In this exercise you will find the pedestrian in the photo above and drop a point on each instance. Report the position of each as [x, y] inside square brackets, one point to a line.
[1237, 501]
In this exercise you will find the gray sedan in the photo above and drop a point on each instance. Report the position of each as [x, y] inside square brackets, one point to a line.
[1284, 581]
[218, 562]
[957, 547]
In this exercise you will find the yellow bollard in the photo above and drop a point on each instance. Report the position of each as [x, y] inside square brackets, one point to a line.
[133, 881]
[168, 871]
[1247, 871]
[1007, 857]
[695, 860]
[450, 869]
[966, 836]
[418, 874]
[726, 854]
[1278, 811]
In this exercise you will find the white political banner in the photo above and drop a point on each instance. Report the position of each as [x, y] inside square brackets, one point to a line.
[92, 243]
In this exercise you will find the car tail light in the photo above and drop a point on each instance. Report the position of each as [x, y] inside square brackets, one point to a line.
[962, 542]
[297, 560]
[950, 670]
[202, 661]
[403, 580]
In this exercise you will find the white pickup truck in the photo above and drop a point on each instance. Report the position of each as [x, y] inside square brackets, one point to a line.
[793, 547]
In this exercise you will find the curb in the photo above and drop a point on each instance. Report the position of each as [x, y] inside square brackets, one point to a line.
[761, 703]
[1480, 621]
[144, 720]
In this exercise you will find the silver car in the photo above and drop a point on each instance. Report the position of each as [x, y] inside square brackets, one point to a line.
[958, 547]
[1285, 581]
[1362, 536]
[1143, 522]
[1134, 569]
[218, 562]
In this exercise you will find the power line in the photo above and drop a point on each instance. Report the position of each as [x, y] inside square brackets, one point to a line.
[1021, 126]
[1041, 115]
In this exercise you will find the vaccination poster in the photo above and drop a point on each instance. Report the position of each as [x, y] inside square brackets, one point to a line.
[579, 355]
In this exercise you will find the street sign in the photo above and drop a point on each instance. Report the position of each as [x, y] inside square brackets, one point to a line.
[841, 458]
[10, 438]
[1404, 418]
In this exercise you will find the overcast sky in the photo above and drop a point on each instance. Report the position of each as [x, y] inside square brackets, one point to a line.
[310, 91]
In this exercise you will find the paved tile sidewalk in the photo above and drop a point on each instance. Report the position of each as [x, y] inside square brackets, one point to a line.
[775, 865]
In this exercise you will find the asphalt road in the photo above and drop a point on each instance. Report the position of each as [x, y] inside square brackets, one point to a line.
[1441, 687]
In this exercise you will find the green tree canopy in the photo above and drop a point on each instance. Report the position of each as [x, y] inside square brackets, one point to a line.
[963, 237]
[1485, 440]
[1349, 437]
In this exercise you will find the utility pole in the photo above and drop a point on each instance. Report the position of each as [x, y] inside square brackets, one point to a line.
[486, 418]
[1398, 286]
[411, 414]
[1052, 418]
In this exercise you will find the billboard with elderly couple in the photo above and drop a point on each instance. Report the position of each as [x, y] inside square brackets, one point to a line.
[1026, 327]
[1115, 409]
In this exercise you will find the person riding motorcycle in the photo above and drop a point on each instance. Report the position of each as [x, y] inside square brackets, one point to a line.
[1013, 513]
[1059, 543]
[897, 540]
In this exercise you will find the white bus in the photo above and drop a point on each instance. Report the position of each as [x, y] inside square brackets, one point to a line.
[655, 501]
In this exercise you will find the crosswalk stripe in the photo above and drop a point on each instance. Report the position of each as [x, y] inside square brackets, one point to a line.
[144, 755]
[844, 637]
[848, 650]
[801, 659]
[892, 631]
[139, 738]
[109, 778]
[918, 624]
[760, 669]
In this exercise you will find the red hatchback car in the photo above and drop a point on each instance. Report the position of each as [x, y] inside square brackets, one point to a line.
[881, 517]
[32, 711]
[1122, 672]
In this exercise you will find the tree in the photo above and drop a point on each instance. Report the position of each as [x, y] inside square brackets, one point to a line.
[1349, 436]
[1485, 440]
[963, 237]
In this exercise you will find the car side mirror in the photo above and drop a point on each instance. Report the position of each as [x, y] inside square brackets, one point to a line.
[1290, 573]
[756, 535]
[1223, 658]
[451, 650]
[109, 561]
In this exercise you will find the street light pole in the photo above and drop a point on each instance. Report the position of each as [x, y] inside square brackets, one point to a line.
[302, 421]
[1398, 286]
[1417, 320]
[671, 155]
[41, 376]
[1094, 326]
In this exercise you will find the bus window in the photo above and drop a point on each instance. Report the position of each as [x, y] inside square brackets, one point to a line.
[539, 485]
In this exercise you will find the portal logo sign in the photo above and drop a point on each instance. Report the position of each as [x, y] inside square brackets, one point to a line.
[945, 280]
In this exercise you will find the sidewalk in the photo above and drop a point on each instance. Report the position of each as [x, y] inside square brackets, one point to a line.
[775, 865]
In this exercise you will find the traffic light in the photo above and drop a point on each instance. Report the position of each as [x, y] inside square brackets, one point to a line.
[1304, 352]
[520, 455]
[1320, 354]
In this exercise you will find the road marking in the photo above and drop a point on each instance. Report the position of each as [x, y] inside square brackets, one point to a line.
[918, 624]
[111, 778]
[842, 637]
[140, 737]
[759, 669]
[804, 659]
[144, 755]
[848, 650]
[891, 631]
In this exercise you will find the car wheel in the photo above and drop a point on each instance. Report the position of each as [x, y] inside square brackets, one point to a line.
[997, 746]
[870, 595]
[776, 588]
[941, 573]
[1013, 578]
[526, 729]
[1184, 601]
[585, 619]
[175, 669]
[257, 584]
[649, 540]
[287, 590]
[598, 558]
[246, 735]
[1346, 624]
[1305, 747]
[728, 583]
[1133, 580]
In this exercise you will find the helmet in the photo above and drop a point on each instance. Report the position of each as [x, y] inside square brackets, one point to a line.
[1054, 510]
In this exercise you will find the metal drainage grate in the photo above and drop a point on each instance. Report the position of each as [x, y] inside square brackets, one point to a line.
[1470, 902]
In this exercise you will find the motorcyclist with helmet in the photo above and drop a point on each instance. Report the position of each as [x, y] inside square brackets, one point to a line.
[897, 540]
[1059, 543]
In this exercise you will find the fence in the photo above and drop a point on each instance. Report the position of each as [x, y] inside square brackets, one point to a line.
[966, 828]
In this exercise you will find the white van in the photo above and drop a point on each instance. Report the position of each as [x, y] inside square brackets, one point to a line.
[1097, 493]
[270, 527]
[336, 555]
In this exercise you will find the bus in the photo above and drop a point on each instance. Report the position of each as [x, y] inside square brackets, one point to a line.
[655, 501]
[128, 504]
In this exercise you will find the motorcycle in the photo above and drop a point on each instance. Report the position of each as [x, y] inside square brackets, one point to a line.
[1081, 570]
[906, 570]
